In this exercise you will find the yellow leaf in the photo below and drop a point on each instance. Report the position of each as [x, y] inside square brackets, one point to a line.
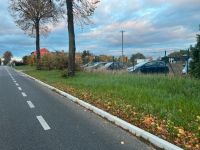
[178, 135]
[181, 131]
[159, 128]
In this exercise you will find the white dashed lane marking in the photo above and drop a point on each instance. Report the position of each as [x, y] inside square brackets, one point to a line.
[30, 104]
[24, 94]
[43, 123]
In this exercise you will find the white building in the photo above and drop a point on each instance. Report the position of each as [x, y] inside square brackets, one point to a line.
[2, 59]
[142, 60]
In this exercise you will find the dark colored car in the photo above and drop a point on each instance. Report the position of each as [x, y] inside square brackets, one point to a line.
[152, 67]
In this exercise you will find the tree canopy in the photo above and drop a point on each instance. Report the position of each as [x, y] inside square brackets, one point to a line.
[7, 57]
[33, 17]
[195, 63]
[136, 56]
[85, 56]
[178, 54]
[29, 13]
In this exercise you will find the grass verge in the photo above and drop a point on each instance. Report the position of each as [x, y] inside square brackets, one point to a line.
[166, 106]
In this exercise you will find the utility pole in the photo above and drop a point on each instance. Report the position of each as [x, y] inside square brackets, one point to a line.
[122, 45]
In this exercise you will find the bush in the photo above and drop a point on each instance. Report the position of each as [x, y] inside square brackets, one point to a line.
[55, 60]
[64, 73]
[46, 62]
[60, 60]
[18, 63]
[195, 63]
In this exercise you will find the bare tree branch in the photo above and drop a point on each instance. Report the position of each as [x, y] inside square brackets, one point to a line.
[33, 17]
[27, 12]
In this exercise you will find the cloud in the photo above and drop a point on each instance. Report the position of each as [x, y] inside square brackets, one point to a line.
[151, 26]
[138, 33]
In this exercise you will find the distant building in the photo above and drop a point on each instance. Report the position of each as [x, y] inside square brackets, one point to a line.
[143, 60]
[2, 60]
[43, 52]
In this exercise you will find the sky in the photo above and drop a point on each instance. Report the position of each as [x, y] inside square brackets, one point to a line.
[151, 27]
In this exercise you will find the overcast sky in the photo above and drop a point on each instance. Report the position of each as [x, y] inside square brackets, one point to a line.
[151, 27]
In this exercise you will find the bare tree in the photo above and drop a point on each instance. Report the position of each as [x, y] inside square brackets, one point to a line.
[78, 11]
[34, 16]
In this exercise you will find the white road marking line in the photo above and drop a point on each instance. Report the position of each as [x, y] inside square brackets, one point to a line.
[30, 104]
[43, 123]
[24, 94]
[14, 81]
[17, 84]
[20, 88]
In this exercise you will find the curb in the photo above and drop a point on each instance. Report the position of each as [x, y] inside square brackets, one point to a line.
[119, 122]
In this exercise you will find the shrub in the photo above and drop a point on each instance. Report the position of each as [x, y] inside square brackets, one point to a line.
[195, 63]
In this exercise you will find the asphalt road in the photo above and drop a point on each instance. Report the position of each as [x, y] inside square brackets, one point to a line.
[33, 117]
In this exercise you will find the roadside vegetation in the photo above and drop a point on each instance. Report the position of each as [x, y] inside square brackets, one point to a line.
[163, 105]
[35, 21]
[195, 63]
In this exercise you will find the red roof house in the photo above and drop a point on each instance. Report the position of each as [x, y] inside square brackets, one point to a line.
[43, 52]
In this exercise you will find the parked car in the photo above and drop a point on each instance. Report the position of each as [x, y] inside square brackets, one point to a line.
[113, 66]
[87, 65]
[96, 65]
[131, 69]
[151, 67]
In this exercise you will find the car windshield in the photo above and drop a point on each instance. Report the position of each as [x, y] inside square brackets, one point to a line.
[140, 64]
[90, 64]
[108, 64]
[96, 64]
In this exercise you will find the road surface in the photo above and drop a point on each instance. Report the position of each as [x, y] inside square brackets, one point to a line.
[33, 117]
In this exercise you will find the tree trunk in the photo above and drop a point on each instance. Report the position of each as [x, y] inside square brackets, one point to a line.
[37, 28]
[72, 48]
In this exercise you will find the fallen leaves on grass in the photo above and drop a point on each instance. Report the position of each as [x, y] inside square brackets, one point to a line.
[162, 128]
[181, 131]
[149, 121]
